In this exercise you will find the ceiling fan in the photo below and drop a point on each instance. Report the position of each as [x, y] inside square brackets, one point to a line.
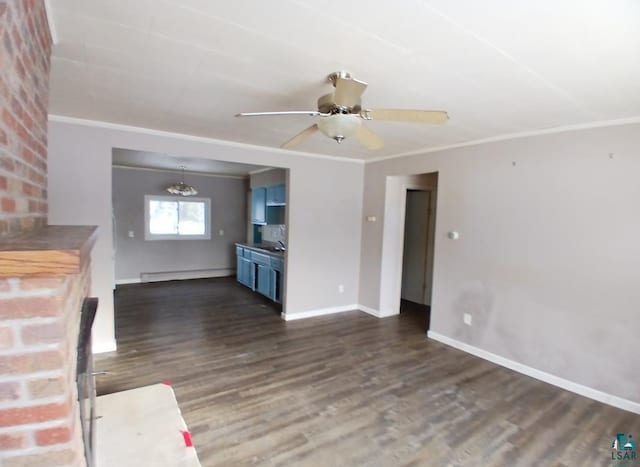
[341, 114]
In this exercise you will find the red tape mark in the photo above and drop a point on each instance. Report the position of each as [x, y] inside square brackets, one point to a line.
[167, 382]
[187, 439]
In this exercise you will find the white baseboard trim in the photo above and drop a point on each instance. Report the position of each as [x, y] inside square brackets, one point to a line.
[128, 281]
[104, 347]
[337, 309]
[177, 275]
[377, 313]
[577, 388]
[369, 311]
[319, 312]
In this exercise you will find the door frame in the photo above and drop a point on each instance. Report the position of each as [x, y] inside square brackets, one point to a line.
[426, 241]
[393, 239]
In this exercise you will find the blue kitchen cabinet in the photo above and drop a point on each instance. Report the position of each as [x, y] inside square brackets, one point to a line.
[259, 206]
[239, 251]
[275, 290]
[263, 280]
[261, 272]
[239, 269]
[245, 271]
[277, 267]
[276, 195]
[244, 267]
[262, 267]
[267, 204]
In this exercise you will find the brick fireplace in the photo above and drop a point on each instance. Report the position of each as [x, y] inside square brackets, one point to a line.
[45, 279]
[44, 270]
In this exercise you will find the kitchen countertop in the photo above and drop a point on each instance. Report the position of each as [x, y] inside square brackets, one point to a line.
[262, 248]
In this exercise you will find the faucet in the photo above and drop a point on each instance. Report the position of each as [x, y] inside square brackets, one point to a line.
[282, 245]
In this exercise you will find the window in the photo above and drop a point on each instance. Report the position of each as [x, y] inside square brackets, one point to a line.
[171, 218]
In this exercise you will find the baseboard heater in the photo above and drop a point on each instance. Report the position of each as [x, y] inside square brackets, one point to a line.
[183, 275]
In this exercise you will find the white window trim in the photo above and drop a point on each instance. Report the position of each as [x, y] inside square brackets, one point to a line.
[207, 219]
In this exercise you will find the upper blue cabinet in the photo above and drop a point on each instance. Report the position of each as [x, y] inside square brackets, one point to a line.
[276, 195]
[267, 204]
[259, 206]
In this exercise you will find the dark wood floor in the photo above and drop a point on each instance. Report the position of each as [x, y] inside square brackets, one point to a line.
[341, 390]
[417, 312]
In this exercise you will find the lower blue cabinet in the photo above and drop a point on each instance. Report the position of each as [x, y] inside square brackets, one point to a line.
[245, 271]
[263, 280]
[276, 286]
[260, 272]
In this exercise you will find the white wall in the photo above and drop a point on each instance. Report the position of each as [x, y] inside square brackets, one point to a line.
[324, 209]
[196, 258]
[547, 262]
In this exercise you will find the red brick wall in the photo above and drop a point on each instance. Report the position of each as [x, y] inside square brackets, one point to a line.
[39, 317]
[39, 413]
[25, 52]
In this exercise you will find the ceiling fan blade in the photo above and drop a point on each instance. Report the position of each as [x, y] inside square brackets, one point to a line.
[311, 113]
[369, 139]
[348, 92]
[398, 115]
[300, 137]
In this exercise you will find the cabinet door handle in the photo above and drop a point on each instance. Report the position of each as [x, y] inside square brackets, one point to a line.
[100, 373]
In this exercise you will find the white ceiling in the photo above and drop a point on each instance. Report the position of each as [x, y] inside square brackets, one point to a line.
[497, 66]
[154, 160]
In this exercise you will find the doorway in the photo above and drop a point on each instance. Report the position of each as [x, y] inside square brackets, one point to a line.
[417, 257]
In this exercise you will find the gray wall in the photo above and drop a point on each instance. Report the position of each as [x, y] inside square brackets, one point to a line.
[324, 209]
[547, 262]
[135, 256]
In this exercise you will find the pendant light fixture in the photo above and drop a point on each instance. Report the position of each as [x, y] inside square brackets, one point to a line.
[181, 188]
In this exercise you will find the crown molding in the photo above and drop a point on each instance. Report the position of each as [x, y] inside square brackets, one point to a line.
[200, 139]
[510, 136]
[174, 171]
[203, 139]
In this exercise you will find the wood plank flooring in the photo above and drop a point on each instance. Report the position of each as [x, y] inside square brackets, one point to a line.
[340, 390]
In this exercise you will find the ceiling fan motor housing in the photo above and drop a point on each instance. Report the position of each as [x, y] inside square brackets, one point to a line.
[327, 105]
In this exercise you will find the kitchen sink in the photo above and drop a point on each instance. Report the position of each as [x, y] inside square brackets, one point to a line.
[272, 248]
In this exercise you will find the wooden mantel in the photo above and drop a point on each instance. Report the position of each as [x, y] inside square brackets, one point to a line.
[52, 250]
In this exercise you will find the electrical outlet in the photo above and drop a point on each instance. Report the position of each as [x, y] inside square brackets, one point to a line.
[221, 232]
[341, 288]
[467, 319]
[131, 234]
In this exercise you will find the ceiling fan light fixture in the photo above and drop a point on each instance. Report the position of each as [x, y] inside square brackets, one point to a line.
[181, 188]
[339, 126]
[340, 114]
